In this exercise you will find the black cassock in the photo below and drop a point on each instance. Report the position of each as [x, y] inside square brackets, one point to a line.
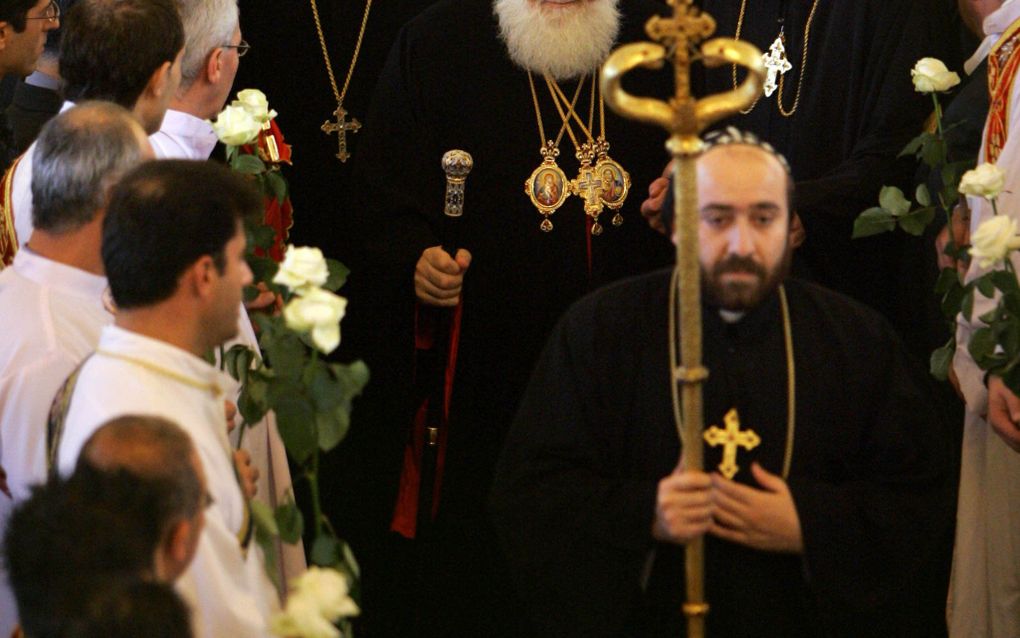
[857, 110]
[574, 495]
[449, 83]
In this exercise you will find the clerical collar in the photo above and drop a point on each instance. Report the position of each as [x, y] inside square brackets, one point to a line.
[731, 316]
[43, 81]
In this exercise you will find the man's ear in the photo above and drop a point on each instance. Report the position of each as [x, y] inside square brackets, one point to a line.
[200, 277]
[214, 65]
[179, 541]
[5, 33]
[159, 80]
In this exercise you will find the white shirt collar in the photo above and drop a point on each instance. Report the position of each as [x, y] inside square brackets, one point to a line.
[994, 26]
[67, 279]
[194, 134]
[119, 341]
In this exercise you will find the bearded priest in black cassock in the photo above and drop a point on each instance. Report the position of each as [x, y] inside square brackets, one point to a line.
[832, 522]
[457, 78]
[841, 111]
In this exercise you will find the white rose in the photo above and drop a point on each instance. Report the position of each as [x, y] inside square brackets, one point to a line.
[302, 619]
[317, 312]
[986, 181]
[930, 75]
[255, 102]
[327, 588]
[993, 240]
[302, 267]
[235, 126]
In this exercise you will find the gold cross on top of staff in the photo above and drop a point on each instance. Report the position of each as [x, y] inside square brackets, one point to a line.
[731, 438]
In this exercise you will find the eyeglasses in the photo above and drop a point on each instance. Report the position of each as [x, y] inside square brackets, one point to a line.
[50, 13]
[242, 48]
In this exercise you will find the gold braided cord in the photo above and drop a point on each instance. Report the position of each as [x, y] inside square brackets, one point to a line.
[340, 94]
[791, 370]
[803, 62]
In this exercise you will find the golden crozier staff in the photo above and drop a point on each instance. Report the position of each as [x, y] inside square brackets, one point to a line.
[684, 117]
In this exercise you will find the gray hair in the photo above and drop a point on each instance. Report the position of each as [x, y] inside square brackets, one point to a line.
[208, 24]
[78, 156]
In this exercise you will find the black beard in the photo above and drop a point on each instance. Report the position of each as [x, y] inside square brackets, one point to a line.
[741, 296]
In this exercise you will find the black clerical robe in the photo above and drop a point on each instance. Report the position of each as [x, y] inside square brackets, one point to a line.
[449, 84]
[575, 491]
[857, 110]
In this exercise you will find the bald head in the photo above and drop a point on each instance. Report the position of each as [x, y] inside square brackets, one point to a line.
[150, 448]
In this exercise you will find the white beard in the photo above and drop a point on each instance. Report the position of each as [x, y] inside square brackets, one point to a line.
[564, 42]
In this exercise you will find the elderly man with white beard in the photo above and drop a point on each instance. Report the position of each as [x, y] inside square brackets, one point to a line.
[514, 83]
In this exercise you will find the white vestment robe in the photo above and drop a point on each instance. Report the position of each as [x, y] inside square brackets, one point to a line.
[984, 600]
[51, 319]
[225, 586]
[184, 136]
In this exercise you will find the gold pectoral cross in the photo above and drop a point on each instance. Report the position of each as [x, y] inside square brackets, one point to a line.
[340, 127]
[731, 438]
[588, 186]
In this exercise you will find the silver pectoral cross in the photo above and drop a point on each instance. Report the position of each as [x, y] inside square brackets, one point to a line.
[776, 64]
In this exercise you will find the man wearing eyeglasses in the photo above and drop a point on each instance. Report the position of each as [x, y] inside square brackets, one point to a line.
[23, 28]
[211, 57]
[212, 54]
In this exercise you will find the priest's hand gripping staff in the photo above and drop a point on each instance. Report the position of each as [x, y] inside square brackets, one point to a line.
[684, 117]
[456, 164]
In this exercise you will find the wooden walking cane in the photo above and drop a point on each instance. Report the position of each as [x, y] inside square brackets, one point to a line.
[684, 117]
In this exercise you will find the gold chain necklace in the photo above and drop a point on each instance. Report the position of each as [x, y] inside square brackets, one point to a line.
[548, 187]
[777, 64]
[732, 432]
[341, 126]
[606, 184]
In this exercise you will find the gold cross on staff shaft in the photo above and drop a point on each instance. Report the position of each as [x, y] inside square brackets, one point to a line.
[731, 438]
[340, 127]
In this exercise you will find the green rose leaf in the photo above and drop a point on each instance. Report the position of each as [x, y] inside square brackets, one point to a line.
[237, 362]
[252, 401]
[948, 279]
[914, 145]
[1004, 281]
[263, 517]
[916, 221]
[295, 419]
[873, 221]
[289, 520]
[922, 195]
[286, 354]
[967, 302]
[337, 275]
[941, 359]
[933, 151]
[323, 387]
[333, 427]
[985, 286]
[353, 377]
[325, 551]
[350, 560]
[267, 542]
[892, 200]
[277, 185]
[247, 164]
[982, 345]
